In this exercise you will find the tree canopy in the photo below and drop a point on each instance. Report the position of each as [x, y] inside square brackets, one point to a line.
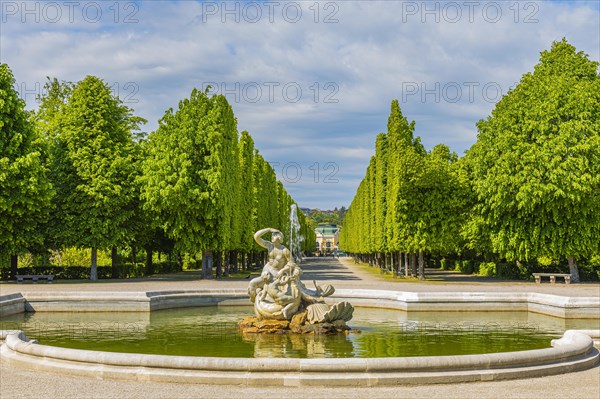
[25, 191]
[536, 163]
[528, 188]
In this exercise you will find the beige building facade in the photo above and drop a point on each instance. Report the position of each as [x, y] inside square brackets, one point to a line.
[328, 238]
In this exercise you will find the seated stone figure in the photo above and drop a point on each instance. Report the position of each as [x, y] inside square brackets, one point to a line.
[279, 298]
[278, 257]
[278, 294]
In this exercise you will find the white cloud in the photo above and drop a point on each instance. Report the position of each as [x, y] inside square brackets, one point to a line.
[348, 71]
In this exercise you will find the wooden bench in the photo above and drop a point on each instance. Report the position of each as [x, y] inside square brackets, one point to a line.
[553, 276]
[34, 277]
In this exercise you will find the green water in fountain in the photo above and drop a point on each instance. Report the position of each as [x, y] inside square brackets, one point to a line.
[212, 331]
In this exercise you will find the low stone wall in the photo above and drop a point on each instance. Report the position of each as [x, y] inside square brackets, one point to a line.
[552, 305]
[573, 352]
[181, 299]
[12, 304]
[87, 302]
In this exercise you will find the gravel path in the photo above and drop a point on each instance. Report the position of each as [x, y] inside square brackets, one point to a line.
[16, 383]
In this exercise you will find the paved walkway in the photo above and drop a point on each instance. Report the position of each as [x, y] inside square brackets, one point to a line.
[16, 383]
[343, 273]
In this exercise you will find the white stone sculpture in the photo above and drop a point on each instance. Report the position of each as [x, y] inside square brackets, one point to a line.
[278, 294]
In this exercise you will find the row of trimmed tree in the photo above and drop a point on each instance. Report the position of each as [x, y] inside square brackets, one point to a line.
[528, 188]
[78, 172]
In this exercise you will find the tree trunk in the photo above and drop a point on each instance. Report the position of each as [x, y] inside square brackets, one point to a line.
[573, 269]
[421, 266]
[406, 265]
[134, 254]
[225, 264]
[413, 264]
[94, 270]
[114, 259]
[218, 260]
[149, 264]
[14, 264]
[207, 262]
[234, 261]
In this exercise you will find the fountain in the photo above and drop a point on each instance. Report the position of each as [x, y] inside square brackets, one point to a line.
[282, 303]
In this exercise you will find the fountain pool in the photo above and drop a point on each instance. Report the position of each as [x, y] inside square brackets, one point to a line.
[406, 338]
[212, 331]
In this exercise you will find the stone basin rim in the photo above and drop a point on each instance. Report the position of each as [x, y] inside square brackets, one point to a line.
[574, 351]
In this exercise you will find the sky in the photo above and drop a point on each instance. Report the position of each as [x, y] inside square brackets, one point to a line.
[312, 81]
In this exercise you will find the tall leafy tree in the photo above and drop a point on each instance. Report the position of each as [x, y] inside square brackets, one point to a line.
[221, 128]
[381, 172]
[433, 205]
[266, 194]
[370, 201]
[536, 163]
[93, 168]
[190, 173]
[403, 151]
[246, 189]
[25, 191]
[52, 104]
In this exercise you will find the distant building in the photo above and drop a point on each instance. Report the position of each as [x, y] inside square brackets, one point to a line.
[328, 238]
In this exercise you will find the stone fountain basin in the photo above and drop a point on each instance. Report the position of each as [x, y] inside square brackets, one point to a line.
[573, 352]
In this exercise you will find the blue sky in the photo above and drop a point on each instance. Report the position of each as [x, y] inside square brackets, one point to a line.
[311, 81]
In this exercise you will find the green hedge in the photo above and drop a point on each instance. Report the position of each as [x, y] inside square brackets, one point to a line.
[487, 269]
[126, 270]
[447, 264]
[464, 266]
[588, 270]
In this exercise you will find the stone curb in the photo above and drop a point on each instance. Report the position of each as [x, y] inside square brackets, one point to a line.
[552, 305]
[573, 352]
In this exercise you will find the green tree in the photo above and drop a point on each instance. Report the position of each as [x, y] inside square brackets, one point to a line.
[25, 191]
[381, 172]
[266, 194]
[52, 105]
[432, 204]
[536, 163]
[190, 173]
[370, 201]
[403, 152]
[93, 169]
[246, 192]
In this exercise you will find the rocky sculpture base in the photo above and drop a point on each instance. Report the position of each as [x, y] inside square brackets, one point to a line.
[297, 325]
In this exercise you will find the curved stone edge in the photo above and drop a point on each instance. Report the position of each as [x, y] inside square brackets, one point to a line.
[547, 304]
[572, 352]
